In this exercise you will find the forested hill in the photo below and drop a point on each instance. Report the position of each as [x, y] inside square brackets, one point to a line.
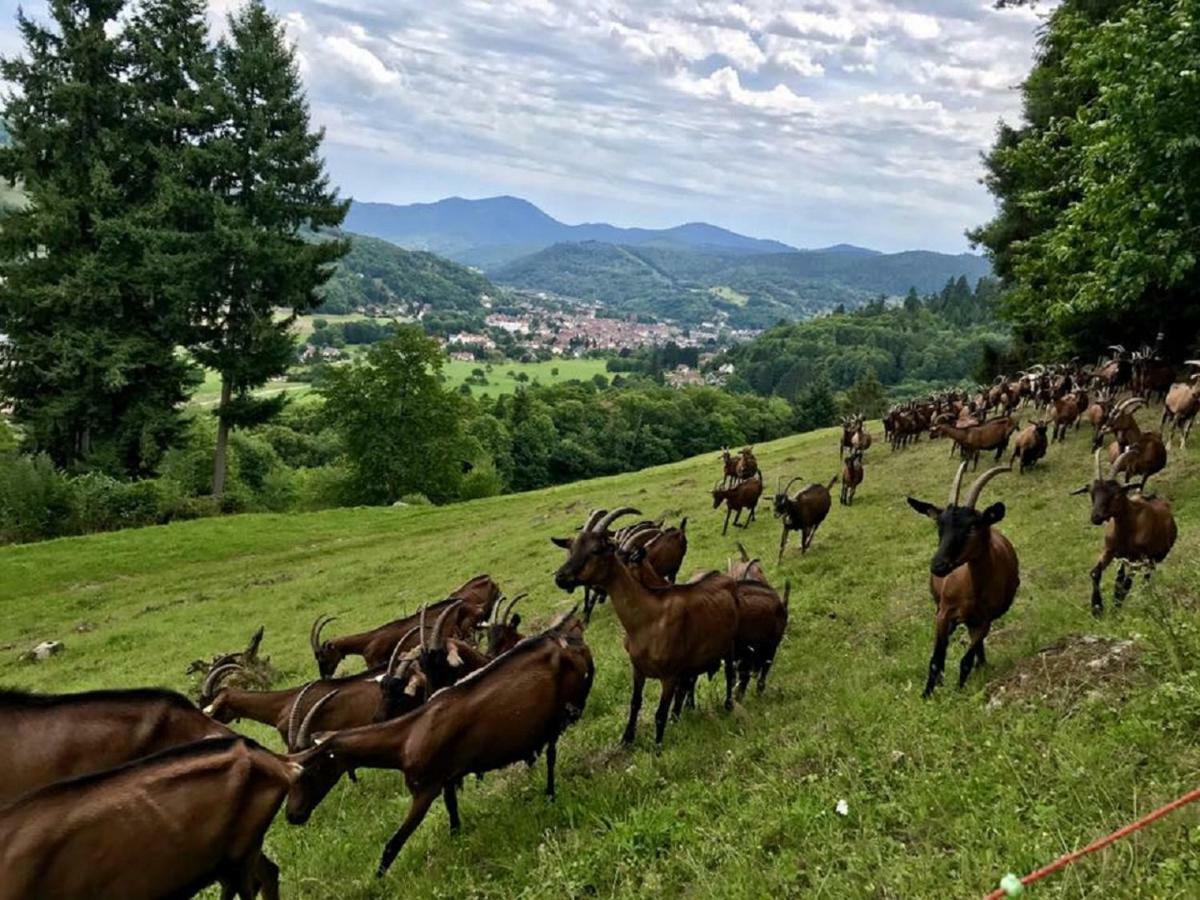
[754, 290]
[377, 273]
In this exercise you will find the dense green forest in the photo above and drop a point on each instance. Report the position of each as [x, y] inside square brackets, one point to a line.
[753, 290]
[375, 273]
[1096, 235]
[946, 338]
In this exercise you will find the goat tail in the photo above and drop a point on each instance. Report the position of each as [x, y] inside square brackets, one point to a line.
[833, 481]
[683, 524]
[787, 593]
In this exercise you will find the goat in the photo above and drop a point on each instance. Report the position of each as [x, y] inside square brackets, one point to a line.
[673, 633]
[358, 699]
[974, 575]
[161, 826]
[1150, 456]
[1065, 414]
[741, 496]
[1140, 532]
[991, 435]
[507, 712]
[478, 596]
[804, 513]
[1029, 446]
[49, 737]
[665, 550]
[1181, 405]
[852, 477]
[762, 621]
[747, 464]
[502, 632]
[861, 440]
[1097, 414]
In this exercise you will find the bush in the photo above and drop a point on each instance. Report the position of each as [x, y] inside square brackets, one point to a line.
[482, 481]
[35, 499]
[102, 503]
[416, 500]
[321, 487]
[279, 490]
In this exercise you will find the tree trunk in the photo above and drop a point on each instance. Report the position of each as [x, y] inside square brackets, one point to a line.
[218, 483]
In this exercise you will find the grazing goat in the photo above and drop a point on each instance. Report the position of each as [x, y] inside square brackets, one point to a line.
[1029, 446]
[976, 439]
[1141, 531]
[478, 596]
[48, 737]
[1182, 404]
[762, 621]
[852, 476]
[163, 826]
[974, 574]
[673, 633]
[507, 712]
[358, 699]
[804, 513]
[741, 496]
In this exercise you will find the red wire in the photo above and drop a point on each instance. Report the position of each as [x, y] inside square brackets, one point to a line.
[1067, 858]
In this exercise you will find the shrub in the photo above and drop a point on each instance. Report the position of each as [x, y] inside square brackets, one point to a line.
[482, 481]
[415, 500]
[102, 503]
[35, 499]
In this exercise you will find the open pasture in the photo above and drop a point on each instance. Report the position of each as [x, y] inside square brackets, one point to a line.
[1044, 749]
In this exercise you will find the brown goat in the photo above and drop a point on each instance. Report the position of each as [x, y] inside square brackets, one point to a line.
[1182, 404]
[673, 633]
[974, 575]
[506, 712]
[804, 513]
[665, 550]
[976, 439]
[738, 497]
[162, 826]
[1141, 531]
[852, 477]
[1029, 446]
[49, 737]
[503, 631]
[1064, 414]
[762, 621]
[478, 596]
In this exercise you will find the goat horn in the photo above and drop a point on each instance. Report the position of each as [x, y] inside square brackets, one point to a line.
[302, 737]
[214, 678]
[515, 600]
[742, 550]
[1191, 362]
[977, 487]
[439, 626]
[294, 714]
[603, 525]
[591, 519]
[956, 487]
[1120, 461]
[314, 633]
[1097, 458]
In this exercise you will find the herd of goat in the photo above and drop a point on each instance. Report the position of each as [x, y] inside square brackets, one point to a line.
[143, 794]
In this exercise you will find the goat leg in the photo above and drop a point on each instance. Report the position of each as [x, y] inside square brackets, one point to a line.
[728, 510]
[664, 708]
[729, 677]
[1097, 574]
[551, 759]
[973, 655]
[1123, 585]
[782, 544]
[416, 814]
[635, 706]
[450, 798]
[937, 662]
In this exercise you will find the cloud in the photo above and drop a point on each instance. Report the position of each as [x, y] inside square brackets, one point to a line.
[812, 121]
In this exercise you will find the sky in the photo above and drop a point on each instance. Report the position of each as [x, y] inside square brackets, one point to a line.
[811, 121]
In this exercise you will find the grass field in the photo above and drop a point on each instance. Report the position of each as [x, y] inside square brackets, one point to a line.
[551, 372]
[1039, 754]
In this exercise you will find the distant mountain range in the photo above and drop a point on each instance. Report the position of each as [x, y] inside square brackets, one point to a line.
[689, 273]
[489, 233]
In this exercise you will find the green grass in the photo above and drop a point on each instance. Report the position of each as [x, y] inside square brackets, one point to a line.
[729, 295]
[550, 372]
[945, 796]
[209, 391]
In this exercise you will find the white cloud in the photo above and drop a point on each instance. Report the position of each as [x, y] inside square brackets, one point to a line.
[360, 61]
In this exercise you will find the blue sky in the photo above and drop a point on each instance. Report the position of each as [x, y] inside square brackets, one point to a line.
[809, 121]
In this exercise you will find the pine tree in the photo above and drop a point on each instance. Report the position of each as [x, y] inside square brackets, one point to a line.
[270, 185]
[91, 364]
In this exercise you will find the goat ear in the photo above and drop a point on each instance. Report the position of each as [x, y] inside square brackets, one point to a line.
[924, 509]
[993, 513]
[565, 543]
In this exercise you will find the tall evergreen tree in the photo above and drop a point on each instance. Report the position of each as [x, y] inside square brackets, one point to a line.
[91, 364]
[270, 185]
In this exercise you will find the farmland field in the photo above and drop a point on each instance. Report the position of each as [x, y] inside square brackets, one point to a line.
[1040, 753]
[499, 382]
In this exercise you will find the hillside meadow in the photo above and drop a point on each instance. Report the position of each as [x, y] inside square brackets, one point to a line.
[1044, 750]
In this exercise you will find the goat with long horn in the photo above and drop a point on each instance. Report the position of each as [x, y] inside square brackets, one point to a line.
[974, 574]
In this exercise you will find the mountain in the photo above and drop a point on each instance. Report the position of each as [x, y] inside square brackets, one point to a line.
[690, 284]
[377, 273]
[492, 232]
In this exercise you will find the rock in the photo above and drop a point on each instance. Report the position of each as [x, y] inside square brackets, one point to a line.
[45, 650]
